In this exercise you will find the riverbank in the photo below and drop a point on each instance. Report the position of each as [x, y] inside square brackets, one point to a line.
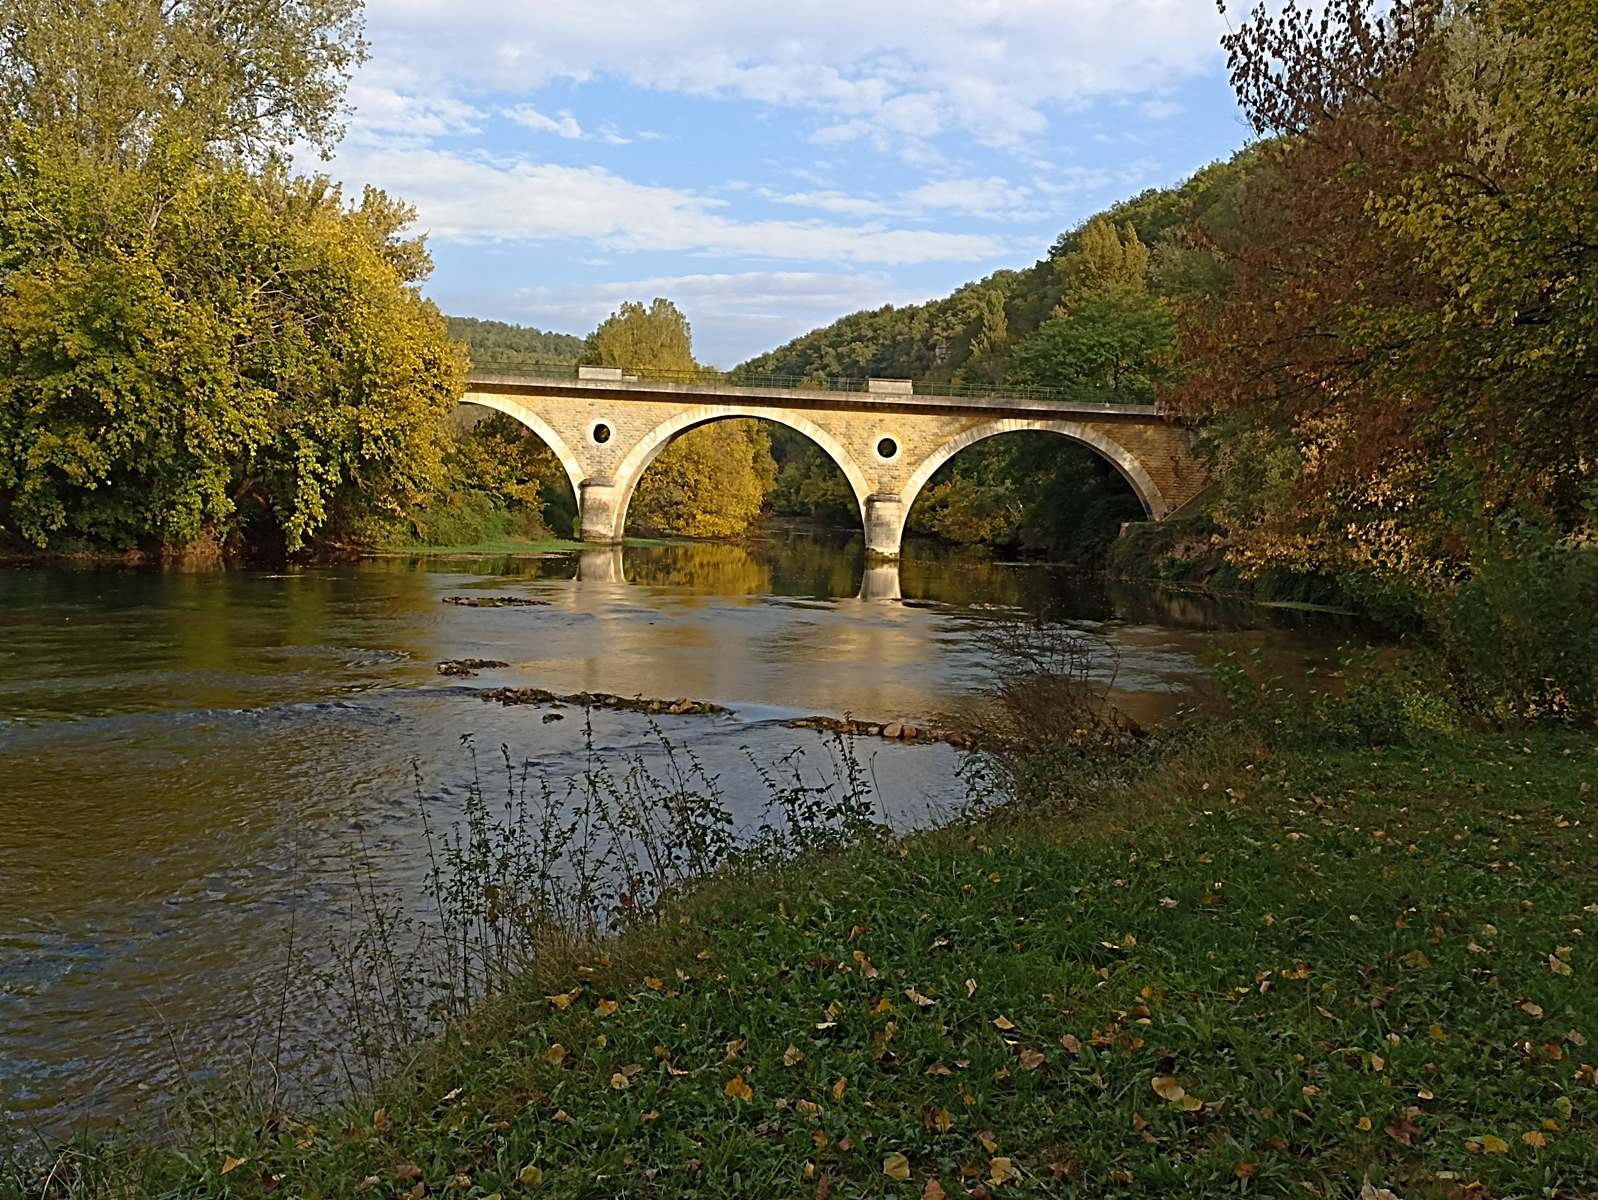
[1226, 970]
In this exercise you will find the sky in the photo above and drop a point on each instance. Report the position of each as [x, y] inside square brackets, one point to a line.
[769, 166]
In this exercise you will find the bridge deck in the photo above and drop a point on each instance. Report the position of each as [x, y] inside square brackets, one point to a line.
[830, 394]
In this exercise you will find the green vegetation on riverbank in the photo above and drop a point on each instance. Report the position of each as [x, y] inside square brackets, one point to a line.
[1249, 962]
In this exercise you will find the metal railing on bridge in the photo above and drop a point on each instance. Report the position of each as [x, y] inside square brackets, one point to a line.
[711, 379]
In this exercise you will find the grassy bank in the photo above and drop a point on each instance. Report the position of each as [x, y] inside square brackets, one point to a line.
[1234, 972]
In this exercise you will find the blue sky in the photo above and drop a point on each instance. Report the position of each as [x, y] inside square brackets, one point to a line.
[769, 167]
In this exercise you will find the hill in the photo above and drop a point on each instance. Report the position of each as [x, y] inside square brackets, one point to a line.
[939, 339]
[498, 342]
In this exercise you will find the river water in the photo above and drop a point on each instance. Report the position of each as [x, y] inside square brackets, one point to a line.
[187, 759]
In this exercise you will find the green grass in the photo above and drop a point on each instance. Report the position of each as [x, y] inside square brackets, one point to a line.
[1360, 963]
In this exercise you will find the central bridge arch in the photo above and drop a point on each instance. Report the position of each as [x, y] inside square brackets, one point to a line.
[632, 467]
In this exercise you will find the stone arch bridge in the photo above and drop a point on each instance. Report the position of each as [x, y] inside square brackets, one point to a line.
[606, 426]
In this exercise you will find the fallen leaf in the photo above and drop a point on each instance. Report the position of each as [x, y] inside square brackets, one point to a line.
[407, 1173]
[1167, 1088]
[1533, 1138]
[555, 1055]
[1491, 1144]
[654, 983]
[1071, 1044]
[619, 1082]
[1003, 1023]
[530, 1176]
[606, 1008]
[864, 963]
[1245, 1169]
[792, 1055]
[918, 999]
[896, 1166]
[231, 1164]
[1371, 1192]
[1558, 965]
[1402, 1130]
[933, 1191]
[1031, 1060]
[738, 1089]
[838, 1087]
[564, 1000]
[1002, 1171]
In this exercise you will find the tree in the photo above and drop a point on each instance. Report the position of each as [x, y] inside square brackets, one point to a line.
[254, 368]
[1105, 260]
[118, 80]
[197, 349]
[1115, 342]
[655, 340]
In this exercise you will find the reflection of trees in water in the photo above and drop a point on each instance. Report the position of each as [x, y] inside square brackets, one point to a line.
[783, 566]
[704, 568]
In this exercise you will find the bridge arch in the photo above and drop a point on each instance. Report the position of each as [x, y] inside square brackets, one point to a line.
[517, 411]
[1124, 461]
[632, 467]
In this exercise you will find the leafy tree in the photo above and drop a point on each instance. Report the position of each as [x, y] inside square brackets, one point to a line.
[119, 79]
[653, 340]
[252, 367]
[197, 349]
[1104, 260]
[1111, 342]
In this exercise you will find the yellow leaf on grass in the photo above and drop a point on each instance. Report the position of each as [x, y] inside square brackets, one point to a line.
[1493, 1145]
[864, 963]
[943, 1120]
[839, 1086]
[792, 1055]
[1558, 965]
[530, 1176]
[896, 1166]
[564, 1000]
[619, 1082]
[1031, 1060]
[918, 999]
[606, 1008]
[1002, 1171]
[933, 1191]
[738, 1089]
[555, 1055]
[654, 983]
[1533, 1138]
[1167, 1089]
[1003, 1023]
[231, 1164]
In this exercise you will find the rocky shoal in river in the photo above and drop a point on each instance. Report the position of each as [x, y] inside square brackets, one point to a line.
[893, 731]
[495, 602]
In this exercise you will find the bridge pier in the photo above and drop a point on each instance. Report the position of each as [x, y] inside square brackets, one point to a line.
[884, 525]
[599, 512]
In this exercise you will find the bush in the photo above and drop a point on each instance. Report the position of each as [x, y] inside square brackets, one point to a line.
[1520, 637]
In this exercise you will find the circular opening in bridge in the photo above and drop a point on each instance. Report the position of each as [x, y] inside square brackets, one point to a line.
[887, 448]
[601, 433]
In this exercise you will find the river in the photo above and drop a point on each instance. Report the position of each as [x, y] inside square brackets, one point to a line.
[187, 759]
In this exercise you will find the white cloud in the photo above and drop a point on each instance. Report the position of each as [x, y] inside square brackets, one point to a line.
[477, 199]
[1160, 110]
[565, 125]
[895, 68]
